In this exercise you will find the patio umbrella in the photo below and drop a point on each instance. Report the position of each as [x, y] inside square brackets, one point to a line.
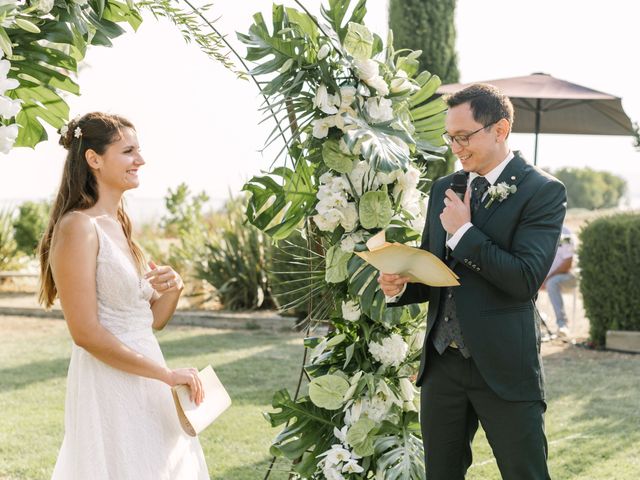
[544, 104]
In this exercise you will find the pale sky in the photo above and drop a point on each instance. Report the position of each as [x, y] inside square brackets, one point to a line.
[198, 124]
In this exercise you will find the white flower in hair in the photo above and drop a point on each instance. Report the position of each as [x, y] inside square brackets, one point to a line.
[77, 132]
[64, 130]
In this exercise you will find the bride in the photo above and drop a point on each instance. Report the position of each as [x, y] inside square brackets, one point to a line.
[120, 421]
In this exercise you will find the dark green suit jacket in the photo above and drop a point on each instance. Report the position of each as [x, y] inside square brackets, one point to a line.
[501, 261]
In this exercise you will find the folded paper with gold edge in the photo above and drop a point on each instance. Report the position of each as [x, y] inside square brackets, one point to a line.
[195, 418]
[417, 264]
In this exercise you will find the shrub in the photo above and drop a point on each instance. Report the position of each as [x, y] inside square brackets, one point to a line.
[610, 261]
[30, 225]
[8, 246]
[235, 260]
[590, 189]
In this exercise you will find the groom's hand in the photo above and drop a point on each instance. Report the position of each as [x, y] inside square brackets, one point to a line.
[456, 212]
[392, 284]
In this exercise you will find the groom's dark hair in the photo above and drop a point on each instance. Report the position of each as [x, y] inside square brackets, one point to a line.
[487, 103]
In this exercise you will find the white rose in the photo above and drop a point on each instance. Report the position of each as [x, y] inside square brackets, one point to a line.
[8, 135]
[366, 69]
[8, 107]
[347, 96]
[350, 311]
[379, 109]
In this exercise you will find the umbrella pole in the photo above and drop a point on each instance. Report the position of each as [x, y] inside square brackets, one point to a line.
[535, 152]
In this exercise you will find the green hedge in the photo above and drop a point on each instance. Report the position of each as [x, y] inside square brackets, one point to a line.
[610, 261]
[591, 189]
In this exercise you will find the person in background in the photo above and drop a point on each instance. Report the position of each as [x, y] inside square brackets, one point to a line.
[560, 275]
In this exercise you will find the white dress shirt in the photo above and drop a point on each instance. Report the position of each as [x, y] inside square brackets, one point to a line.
[492, 177]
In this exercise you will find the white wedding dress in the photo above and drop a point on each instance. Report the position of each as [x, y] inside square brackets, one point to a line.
[120, 426]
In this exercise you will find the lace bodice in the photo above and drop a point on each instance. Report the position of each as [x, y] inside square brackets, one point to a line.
[123, 295]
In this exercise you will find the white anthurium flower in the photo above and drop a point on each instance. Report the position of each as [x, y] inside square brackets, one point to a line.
[379, 109]
[8, 135]
[8, 107]
[324, 101]
[349, 216]
[350, 310]
[324, 51]
[321, 126]
[352, 467]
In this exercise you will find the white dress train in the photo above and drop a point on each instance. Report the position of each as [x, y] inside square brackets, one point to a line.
[120, 426]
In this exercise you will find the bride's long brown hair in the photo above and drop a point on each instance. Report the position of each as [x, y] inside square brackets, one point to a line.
[79, 189]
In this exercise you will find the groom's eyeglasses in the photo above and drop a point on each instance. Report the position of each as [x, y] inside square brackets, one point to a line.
[463, 140]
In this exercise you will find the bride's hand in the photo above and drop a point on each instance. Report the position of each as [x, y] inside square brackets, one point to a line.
[163, 278]
[188, 376]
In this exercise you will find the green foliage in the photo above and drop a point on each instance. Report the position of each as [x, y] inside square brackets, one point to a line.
[590, 189]
[428, 26]
[8, 246]
[609, 265]
[235, 259]
[30, 224]
[185, 210]
[45, 50]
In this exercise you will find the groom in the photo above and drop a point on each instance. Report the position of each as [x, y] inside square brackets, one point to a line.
[481, 357]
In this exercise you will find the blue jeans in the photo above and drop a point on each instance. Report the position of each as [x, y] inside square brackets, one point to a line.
[554, 287]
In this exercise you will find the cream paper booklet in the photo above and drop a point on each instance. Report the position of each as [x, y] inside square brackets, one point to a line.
[195, 418]
[417, 264]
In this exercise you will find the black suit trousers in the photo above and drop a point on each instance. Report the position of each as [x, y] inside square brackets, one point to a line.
[454, 399]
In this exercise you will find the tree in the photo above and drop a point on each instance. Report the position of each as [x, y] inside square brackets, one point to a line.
[428, 25]
[587, 188]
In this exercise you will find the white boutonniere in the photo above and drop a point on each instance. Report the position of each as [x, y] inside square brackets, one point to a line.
[499, 192]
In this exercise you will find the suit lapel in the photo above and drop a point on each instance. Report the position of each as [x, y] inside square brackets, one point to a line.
[513, 174]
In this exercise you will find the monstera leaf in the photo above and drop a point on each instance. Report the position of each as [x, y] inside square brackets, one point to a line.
[337, 12]
[400, 454]
[309, 431]
[278, 208]
[377, 144]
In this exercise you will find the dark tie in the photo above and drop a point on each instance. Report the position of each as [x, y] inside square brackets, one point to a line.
[479, 187]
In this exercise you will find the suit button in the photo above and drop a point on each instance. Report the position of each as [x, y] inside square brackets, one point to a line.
[446, 319]
[450, 295]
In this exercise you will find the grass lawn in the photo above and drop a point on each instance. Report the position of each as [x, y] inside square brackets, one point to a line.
[593, 420]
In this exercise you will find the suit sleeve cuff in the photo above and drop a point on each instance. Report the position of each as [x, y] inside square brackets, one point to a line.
[395, 298]
[452, 243]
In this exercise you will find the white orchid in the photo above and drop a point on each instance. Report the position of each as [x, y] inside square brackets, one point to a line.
[379, 109]
[350, 311]
[8, 107]
[8, 135]
[338, 454]
[352, 467]
[341, 434]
